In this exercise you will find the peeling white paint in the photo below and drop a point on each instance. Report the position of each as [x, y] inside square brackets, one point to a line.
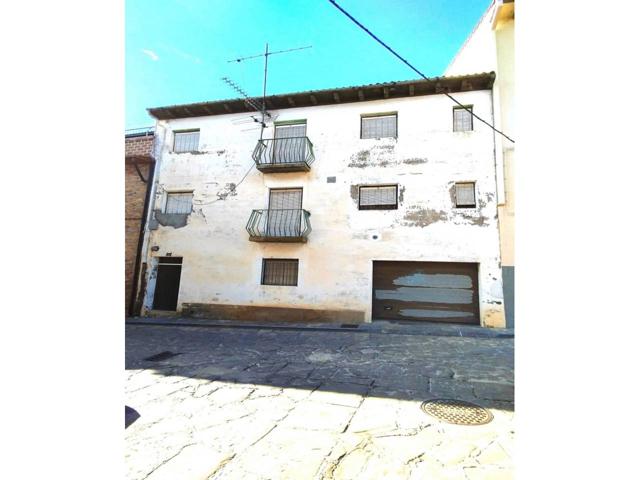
[335, 265]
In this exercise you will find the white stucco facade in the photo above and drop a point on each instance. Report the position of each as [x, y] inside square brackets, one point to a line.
[490, 47]
[222, 267]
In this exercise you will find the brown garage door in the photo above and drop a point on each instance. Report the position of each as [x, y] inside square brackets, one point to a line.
[427, 291]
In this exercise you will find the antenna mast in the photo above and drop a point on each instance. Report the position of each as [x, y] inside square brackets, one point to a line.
[266, 54]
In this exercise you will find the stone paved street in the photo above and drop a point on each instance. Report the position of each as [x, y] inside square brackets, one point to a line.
[264, 404]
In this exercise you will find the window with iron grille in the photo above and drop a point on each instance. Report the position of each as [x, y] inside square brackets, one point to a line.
[379, 197]
[379, 126]
[279, 271]
[466, 194]
[179, 202]
[186, 141]
[462, 119]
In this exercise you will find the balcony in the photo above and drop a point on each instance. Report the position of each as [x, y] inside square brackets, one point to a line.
[290, 154]
[281, 225]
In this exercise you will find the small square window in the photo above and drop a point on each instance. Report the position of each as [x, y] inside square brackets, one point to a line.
[462, 119]
[466, 195]
[179, 202]
[280, 271]
[186, 141]
[379, 197]
[379, 126]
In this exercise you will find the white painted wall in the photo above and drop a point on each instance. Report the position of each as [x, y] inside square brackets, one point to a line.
[490, 47]
[222, 266]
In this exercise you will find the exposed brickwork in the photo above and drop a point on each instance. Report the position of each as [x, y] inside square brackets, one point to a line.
[135, 191]
[138, 146]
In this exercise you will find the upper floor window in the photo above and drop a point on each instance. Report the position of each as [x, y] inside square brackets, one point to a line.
[379, 197]
[462, 119]
[379, 125]
[179, 202]
[186, 140]
[465, 195]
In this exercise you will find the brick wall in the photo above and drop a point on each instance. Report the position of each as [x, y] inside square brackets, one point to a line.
[138, 146]
[135, 192]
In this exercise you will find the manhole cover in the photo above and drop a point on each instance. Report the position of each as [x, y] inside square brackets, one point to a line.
[160, 356]
[457, 412]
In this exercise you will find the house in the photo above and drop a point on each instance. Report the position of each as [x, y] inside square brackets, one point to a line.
[139, 168]
[490, 47]
[354, 204]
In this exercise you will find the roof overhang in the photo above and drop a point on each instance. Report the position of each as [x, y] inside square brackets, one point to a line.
[332, 96]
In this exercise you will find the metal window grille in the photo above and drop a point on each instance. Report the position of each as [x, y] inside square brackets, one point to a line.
[379, 197]
[379, 127]
[277, 271]
[462, 119]
[179, 203]
[466, 194]
[186, 141]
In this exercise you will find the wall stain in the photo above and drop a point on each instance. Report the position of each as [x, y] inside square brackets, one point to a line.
[360, 159]
[175, 220]
[354, 191]
[229, 191]
[401, 194]
[415, 161]
[423, 217]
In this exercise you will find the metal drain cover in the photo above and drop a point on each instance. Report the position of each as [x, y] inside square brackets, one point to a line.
[457, 412]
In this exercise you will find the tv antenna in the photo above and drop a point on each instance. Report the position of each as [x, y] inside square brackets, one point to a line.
[266, 54]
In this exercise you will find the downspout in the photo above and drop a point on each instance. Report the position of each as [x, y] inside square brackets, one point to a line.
[495, 172]
[143, 221]
[144, 248]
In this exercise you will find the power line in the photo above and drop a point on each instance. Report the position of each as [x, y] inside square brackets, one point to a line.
[415, 69]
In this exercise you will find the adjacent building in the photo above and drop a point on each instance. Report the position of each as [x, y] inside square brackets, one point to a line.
[353, 204]
[490, 47]
[139, 168]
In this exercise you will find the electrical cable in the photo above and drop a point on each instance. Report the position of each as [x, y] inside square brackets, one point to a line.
[415, 69]
[232, 189]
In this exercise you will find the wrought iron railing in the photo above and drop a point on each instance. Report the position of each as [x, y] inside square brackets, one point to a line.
[283, 151]
[279, 223]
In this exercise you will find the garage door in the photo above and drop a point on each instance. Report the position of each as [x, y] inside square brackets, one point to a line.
[426, 291]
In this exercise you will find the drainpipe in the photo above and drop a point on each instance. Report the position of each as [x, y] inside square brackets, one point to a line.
[143, 221]
[144, 247]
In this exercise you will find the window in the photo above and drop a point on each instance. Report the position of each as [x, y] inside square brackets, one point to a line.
[466, 195]
[178, 202]
[379, 126]
[279, 271]
[462, 119]
[380, 197]
[186, 141]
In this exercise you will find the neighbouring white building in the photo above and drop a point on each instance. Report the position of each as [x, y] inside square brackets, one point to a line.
[490, 47]
[367, 202]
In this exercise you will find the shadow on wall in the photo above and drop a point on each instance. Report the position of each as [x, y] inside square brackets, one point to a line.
[403, 367]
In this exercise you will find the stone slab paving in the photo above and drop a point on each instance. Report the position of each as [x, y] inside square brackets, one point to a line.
[286, 404]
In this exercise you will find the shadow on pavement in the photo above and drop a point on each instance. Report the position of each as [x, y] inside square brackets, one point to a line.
[413, 368]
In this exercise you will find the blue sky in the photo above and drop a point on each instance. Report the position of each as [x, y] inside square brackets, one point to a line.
[177, 50]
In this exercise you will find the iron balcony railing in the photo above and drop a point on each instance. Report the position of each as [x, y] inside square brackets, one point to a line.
[284, 152]
[287, 224]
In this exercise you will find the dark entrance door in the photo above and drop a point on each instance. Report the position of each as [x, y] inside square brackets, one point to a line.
[427, 291]
[165, 296]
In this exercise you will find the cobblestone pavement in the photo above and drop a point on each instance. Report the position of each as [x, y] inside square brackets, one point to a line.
[265, 404]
